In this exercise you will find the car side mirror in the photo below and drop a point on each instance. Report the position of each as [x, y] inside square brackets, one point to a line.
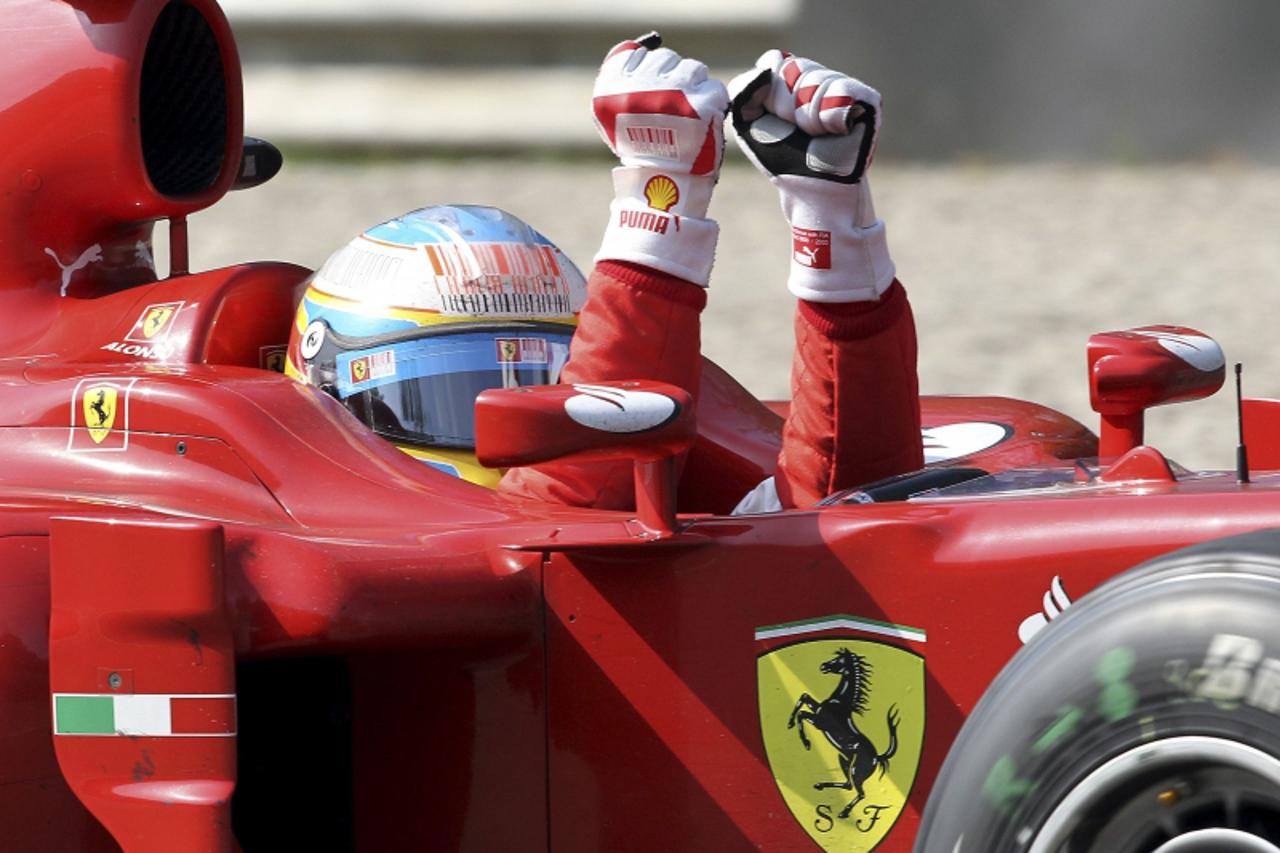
[1132, 371]
[259, 163]
[650, 423]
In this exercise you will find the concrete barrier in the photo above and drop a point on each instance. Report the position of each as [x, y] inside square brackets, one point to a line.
[479, 74]
[970, 79]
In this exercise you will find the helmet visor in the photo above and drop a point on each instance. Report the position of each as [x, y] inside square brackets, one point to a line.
[423, 391]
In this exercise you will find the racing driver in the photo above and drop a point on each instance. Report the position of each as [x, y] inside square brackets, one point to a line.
[412, 319]
[855, 410]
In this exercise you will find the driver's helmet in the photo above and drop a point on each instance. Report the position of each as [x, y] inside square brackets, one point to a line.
[408, 322]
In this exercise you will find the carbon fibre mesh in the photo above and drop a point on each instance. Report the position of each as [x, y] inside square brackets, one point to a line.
[183, 103]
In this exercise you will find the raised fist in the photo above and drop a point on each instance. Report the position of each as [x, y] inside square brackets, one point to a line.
[664, 118]
[655, 109]
[796, 117]
[813, 132]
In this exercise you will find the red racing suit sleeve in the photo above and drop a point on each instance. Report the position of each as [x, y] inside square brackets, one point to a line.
[855, 399]
[637, 323]
[855, 409]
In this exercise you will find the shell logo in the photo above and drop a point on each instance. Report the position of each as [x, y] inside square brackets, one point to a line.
[661, 192]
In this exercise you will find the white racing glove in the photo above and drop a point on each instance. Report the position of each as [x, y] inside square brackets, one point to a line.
[664, 118]
[813, 132]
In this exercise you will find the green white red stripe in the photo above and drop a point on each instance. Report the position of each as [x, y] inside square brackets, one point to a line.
[145, 714]
[840, 621]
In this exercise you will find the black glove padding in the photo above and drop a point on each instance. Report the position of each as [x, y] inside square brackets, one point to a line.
[786, 131]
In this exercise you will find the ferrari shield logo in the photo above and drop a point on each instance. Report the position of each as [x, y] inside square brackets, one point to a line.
[99, 403]
[155, 323]
[843, 727]
[100, 414]
[155, 320]
[272, 358]
[508, 350]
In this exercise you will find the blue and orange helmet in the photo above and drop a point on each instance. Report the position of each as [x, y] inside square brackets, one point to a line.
[408, 322]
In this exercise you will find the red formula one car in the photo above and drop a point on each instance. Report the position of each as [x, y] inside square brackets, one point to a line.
[235, 618]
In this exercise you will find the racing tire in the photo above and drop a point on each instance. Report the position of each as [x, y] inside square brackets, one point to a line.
[1145, 720]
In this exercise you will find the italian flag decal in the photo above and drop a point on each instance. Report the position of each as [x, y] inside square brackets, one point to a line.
[840, 622]
[145, 714]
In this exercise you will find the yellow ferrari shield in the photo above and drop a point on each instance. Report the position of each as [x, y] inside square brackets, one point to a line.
[843, 726]
[156, 319]
[99, 404]
[274, 360]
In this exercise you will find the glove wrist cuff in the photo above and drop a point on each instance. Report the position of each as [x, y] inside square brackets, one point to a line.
[839, 252]
[679, 245]
[664, 190]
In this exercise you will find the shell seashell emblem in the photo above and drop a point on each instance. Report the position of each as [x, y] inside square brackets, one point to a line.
[661, 192]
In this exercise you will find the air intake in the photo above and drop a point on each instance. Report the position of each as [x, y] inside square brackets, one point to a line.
[183, 103]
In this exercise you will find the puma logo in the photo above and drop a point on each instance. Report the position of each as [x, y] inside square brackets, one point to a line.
[811, 248]
[807, 256]
[90, 255]
[142, 255]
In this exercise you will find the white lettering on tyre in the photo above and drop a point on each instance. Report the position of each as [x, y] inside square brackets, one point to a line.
[1234, 672]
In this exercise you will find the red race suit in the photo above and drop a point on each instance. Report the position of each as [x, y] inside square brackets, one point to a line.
[855, 408]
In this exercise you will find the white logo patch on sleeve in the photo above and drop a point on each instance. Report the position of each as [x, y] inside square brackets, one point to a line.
[1200, 352]
[951, 441]
[619, 410]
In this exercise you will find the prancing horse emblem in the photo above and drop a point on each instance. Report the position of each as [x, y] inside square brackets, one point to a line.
[834, 718]
[156, 319]
[100, 411]
[849, 778]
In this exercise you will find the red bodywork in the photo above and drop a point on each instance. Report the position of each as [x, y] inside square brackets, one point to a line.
[375, 655]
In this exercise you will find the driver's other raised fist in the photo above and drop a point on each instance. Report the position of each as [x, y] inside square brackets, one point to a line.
[828, 121]
[813, 132]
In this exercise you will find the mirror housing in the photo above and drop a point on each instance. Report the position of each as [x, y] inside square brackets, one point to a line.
[260, 161]
[650, 423]
[1133, 370]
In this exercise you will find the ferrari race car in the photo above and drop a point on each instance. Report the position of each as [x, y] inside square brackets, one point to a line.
[233, 617]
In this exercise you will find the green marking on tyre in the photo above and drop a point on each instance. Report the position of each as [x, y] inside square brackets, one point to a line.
[1115, 665]
[1065, 726]
[1118, 698]
[1003, 786]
